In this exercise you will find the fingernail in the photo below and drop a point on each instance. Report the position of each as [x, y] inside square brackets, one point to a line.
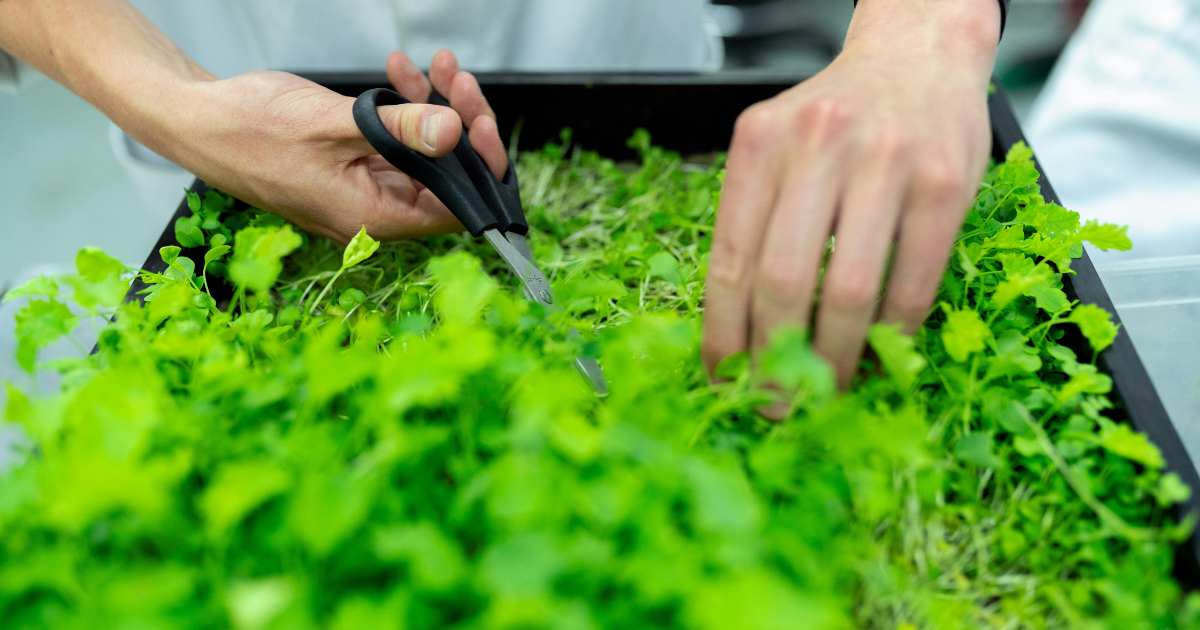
[429, 131]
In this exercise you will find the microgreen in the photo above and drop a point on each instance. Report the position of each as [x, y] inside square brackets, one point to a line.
[390, 436]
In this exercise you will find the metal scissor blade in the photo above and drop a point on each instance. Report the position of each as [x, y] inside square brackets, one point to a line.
[522, 246]
[519, 243]
[515, 251]
[537, 288]
[590, 370]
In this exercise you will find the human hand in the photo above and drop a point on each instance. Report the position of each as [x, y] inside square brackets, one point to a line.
[290, 146]
[885, 146]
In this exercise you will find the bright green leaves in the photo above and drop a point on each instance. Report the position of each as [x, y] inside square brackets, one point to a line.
[896, 353]
[1049, 219]
[40, 285]
[426, 456]
[327, 507]
[238, 488]
[99, 282]
[206, 215]
[1122, 440]
[435, 562]
[1014, 357]
[464, 289]
[257, 255]
[664, 265]
[963, 333]
[360, 248]
[790, 362]
[1171, 490]
[351, 298]
[1095, 324]
[1106, 236]
[976, 449]
[187, 231]
[169, 253]
[254, 604]
[216, 251]
[1023, 277]
[39, 324]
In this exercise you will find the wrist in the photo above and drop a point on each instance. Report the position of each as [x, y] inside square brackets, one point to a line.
[963, 31]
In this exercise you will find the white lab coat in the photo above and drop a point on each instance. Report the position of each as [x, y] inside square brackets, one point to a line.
[229, 37]
[1117, 126]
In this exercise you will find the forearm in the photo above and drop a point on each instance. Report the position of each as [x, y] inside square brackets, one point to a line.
[965, 31]
[109, 54]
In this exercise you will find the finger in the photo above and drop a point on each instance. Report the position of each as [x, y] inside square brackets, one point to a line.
[467, 99]
[751, 183]
[485, 137]
[794, 247]
[442, 70]
[407, 78]
[927, 231]
[866, 225]
[428, 129]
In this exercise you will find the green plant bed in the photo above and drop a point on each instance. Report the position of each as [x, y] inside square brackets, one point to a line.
[395, 438]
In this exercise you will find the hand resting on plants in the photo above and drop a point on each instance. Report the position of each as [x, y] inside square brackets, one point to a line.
[885, 146]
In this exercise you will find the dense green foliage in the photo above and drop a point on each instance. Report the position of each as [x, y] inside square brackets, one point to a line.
[391, 437]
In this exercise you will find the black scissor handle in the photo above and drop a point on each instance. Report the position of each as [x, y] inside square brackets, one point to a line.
[503, 196]
[446, 177]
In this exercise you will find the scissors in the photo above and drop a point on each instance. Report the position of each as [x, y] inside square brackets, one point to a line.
[485, 205]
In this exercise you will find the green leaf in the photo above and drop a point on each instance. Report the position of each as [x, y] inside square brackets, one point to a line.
[254, 604]
[1124, 441]
[40, 323]
[187, 231]
[326, 509]
[351, 298]
[790, 363]
[193, 201]
[976, 449]
[435, 561]
[95, 266]
[664, 265]
[360, 248]
[257, 255]
[967, 265]
[896, 352]
[1049, 219]
[963, 333]
[215, 252]
[1095, 324]
[169, 253]
[1171, 490]
[40, 285]
[464, 288]
[238, 488]
[1014, 357]
[733, 366]
[1106, 236]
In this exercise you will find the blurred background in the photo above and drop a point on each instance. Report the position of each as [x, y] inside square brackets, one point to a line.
[68, 179]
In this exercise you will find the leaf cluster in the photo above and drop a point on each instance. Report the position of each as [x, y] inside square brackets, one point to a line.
[389, 436]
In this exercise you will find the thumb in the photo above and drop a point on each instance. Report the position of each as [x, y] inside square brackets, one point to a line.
[429, 129]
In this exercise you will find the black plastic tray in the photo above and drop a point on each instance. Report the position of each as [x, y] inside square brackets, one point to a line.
[695, 113]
